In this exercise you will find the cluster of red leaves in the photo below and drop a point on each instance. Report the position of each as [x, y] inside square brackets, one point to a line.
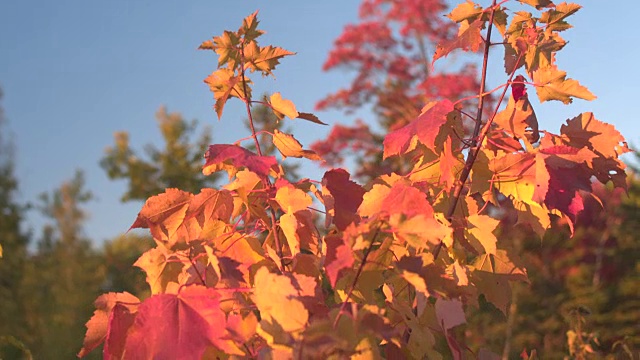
[388, 51]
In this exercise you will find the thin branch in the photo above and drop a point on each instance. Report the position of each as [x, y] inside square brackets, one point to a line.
[355, 279]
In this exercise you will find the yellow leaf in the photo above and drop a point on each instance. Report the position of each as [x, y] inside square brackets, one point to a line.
[480, 233]
[289, 146]
[283, 106]
[277, 299]
[292, 199]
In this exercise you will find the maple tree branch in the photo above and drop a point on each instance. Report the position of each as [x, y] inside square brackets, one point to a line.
[355, 279]
[476, 131]
[254, 134]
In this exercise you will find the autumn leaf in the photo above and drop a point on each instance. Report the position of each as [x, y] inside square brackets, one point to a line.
[551, 84]
[163, 215]
[232, 158]
[224, 84]
[289, 146]
[161, 268]
[104, 325]
[555, 18]
[518, 118]
[468, 39]
[449, 313]
[278, 301]
[282, 107]
[585, 130]
[339, 258]
[179, 326]
[292, 199]
[425, 128]
[480, 233]
[265, 59]
[342, 197]
[538, 4]
[310, 117]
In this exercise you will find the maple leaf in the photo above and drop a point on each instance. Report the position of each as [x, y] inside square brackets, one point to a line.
[163, 215]
[278, 301]
[339, 258]
[264, 59]
[518, 118]
[538, 4]
[289, 146]
[161, 268]
[425, 128]
[232, 158]
[179, 326]
[310, 117]
[551, 84]
[176, 216]
[224, 84]
[300, 231]
[492, 274]
[342, 197]
[468, 39]
[585, 130]
[283, 107]
[101, 325]
[449, 313]
[249, 29]
[480, 233]
[292, 199]
[555, 18]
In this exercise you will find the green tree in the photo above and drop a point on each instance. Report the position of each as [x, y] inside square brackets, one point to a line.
[13, 254]
[120, 253]
[177, 165]
[64, 275]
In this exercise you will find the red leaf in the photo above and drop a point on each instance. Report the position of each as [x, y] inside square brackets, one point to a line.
[339, 258]
[426, 127]
[518, 89]
[178, 326]
[100, 323]
[342, 197]
[232, 158]
[406, 200]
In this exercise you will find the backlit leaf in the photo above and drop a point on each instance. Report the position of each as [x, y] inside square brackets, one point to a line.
[232, 158]
[425, 127]
[278, 301]
[178, 326]
[283, 107]
[289, 146]
[468, 39]
[342, 197]
[551, 84]
[98, 327]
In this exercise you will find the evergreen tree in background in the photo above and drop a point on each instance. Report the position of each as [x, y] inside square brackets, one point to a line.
[177, 165]
[14, 249]
[64, 276]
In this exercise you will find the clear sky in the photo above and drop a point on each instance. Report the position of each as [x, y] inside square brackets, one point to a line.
[75, 71]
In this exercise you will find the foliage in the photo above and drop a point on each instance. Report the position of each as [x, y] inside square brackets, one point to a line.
[399, 264]
[389, 50]
[177, 165]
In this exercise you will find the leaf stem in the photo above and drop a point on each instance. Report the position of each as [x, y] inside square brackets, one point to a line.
[254, 134]
[355, 279]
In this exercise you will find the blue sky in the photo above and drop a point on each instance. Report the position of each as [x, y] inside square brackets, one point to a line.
[75, 71]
